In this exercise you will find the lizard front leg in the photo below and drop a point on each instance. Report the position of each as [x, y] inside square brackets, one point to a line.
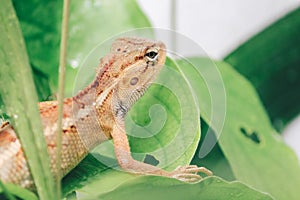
[126, 162]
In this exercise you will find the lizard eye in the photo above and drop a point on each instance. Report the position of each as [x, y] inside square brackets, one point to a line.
[151, 54]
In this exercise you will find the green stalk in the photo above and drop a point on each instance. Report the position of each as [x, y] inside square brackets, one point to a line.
[20, 99]
[61, 84]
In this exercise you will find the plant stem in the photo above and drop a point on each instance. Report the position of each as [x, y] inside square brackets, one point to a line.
[20, 99]
[61, 83]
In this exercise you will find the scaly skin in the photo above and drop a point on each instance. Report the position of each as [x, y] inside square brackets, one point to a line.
[96, 114]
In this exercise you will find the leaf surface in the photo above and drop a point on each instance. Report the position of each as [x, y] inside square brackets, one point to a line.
[256, 153]
[271, 60]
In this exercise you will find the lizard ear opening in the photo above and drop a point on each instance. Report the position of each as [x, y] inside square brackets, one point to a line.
[134, 81]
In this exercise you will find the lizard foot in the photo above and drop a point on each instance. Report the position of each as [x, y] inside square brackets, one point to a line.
[189, 173]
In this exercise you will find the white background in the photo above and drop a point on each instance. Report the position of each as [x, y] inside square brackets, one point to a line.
[219, 26]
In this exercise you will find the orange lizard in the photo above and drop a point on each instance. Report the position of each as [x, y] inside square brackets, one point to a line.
[96, 114]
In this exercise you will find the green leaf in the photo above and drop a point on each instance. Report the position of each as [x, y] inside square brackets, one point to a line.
[256, 153]
[41, 82]
[101, 182]
[91, 174]
[40, 22]
[151, 187]
[18, 94]
[175, 143]
[83, 174]
[19, 192]
[91, 23]
[271, 60]
[215, 159]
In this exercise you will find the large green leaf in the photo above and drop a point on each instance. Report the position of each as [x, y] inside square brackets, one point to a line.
[91, 22]
[18, 94]
[151, 187]
[256, 154]
[100, 182]
[172, 107]
[40, 22]
[271, 60]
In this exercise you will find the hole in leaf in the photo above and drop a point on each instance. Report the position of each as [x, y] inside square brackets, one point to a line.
[250, 135]
[151, 160]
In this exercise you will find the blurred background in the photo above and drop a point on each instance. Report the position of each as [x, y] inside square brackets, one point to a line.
[221, 26]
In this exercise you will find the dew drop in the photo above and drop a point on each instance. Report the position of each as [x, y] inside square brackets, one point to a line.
[74, 63]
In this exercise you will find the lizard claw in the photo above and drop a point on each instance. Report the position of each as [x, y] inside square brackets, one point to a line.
[189, 173]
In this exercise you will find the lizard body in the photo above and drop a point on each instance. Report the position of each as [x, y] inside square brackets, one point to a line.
[96, 114]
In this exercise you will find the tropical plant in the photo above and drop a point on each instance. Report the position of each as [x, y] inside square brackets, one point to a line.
[249, 160]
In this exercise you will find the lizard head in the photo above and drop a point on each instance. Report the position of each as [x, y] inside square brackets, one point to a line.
[141, 61]
[130, 52]
[123, 77]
